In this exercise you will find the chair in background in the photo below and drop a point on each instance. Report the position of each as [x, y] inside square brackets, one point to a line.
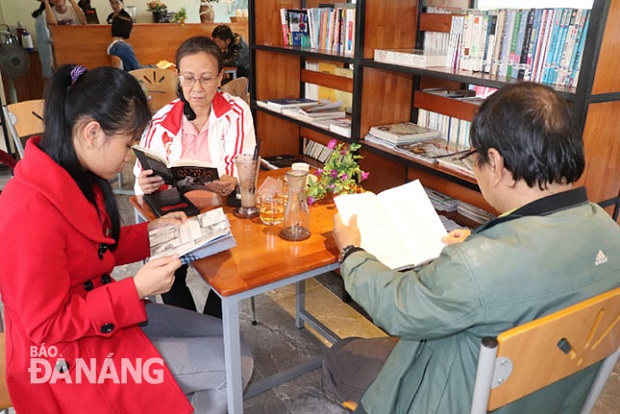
[529, 357]
[238, 87]
[5, 400]
[116, 62]
[156, 79]
[25, 120]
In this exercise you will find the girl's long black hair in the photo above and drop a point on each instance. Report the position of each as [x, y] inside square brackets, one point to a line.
[106, 95]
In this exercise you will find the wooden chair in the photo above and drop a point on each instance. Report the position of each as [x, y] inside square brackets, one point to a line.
[116, 62]
[156, 79]
[238, 87]
[25, 120]
[5, 400]
[526, 358]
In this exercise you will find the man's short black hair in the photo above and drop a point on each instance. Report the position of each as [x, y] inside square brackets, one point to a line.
[535, 131]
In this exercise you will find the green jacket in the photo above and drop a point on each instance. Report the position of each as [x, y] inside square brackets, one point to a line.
[539, 259]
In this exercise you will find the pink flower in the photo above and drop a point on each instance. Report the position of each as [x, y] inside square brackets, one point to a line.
[344, 176]
[332, 144]
[311, 200]
[318, 172]
[365, 175]
[334, 173]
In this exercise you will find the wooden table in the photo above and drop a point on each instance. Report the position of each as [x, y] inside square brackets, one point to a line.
[262, 261]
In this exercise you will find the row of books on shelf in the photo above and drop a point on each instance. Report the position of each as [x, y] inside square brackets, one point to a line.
[326, 28]
[325, 114]
[455, 130]
[316, 150]
[541, 45]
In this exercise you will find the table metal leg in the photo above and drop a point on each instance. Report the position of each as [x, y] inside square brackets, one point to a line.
[232, 354]
[300, 303]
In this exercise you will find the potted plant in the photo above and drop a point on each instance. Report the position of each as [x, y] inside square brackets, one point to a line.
[340, 174]
[159, 10]
[180, 16]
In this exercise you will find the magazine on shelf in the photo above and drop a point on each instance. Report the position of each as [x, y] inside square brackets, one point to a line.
[200, 236]
[399, 225]
[429, 150]
[403, 132]
[459, 164]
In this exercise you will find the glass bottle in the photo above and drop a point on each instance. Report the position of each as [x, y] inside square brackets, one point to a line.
[296, 224]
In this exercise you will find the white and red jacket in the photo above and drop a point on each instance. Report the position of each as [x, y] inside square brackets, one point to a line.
[231, 132]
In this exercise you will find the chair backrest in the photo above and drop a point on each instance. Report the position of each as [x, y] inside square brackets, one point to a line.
[25, 120]
[5, 400]
[156, 79]
[116, 62]
[529, 357]
[238, 87]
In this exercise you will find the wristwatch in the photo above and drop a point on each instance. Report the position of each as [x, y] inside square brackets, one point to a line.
[347, 250]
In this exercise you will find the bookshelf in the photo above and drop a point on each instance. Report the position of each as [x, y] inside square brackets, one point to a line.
[385, 93]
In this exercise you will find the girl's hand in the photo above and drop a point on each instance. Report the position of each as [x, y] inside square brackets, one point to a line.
[156, 276]
[149, 182]
[174, 218]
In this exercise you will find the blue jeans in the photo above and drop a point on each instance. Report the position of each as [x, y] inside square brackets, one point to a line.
[124, 51]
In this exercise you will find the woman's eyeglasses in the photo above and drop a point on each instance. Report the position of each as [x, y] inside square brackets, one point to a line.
[189, 81]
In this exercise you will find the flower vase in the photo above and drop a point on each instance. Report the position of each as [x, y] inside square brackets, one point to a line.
[207, 13]
[159, 16]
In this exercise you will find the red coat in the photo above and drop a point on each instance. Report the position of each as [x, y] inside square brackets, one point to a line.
[61, 305]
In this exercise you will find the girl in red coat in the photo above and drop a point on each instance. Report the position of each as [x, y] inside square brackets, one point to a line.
[74, 342]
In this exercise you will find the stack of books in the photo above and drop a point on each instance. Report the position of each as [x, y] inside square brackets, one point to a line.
[414, 58]
[278, 105]
[392, 135]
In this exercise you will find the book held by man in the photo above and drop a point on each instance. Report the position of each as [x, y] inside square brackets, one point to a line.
[200, 236]
[185, 175]
[403, 132]
[399, 226]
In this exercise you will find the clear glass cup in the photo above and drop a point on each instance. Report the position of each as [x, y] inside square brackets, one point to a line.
[247, 172]
[271, 205]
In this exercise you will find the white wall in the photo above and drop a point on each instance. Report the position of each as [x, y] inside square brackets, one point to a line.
[12, 11]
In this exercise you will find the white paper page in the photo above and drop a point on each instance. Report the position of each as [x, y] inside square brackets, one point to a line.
[416, 221]
[378, 236]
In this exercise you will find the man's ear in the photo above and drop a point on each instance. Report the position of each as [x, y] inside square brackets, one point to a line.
[496, 166]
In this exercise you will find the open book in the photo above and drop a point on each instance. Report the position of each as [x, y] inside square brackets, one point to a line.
[185, 175]
[200, 236]
[399, 226]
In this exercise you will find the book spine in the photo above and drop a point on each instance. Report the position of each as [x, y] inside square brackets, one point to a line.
[552, 44]
[506, 42]
[577, 62]
[561, 46]
[489, 47]
[499, 39]
[513, 59]
[539, 47]
[567, 53]
[286, 39]
[525, 46]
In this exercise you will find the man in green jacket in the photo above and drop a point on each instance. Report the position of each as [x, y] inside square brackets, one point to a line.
[549, 249]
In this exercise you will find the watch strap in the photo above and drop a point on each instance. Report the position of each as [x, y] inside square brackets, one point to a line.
[347, 250]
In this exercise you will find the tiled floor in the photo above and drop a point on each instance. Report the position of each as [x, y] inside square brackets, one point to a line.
[277, 344]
